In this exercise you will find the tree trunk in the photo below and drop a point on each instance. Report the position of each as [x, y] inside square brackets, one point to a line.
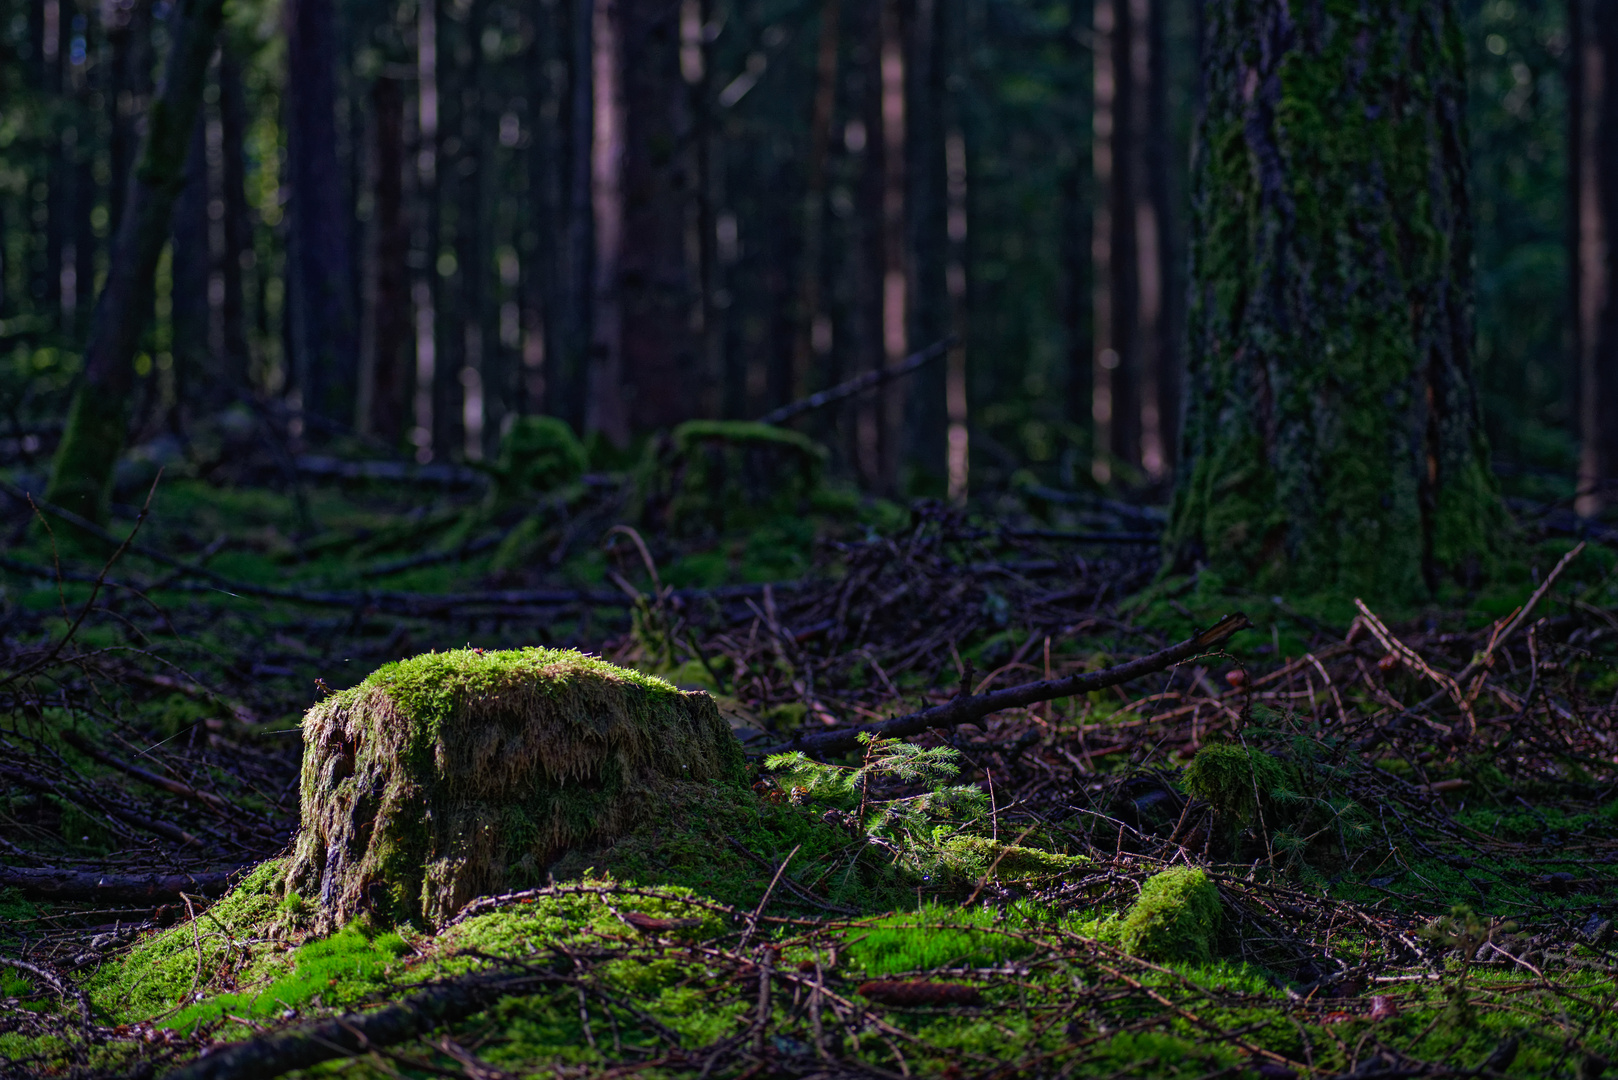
[98, 418]
[1333, 440]
[576, 275]
[235, 359]
[925, 422]
[1078, 197]
[897, 289]
[1593, 163]
[659, 287]
[387, 330]
[319, 264]
[813, 327]
[190, 261]
[606, 409]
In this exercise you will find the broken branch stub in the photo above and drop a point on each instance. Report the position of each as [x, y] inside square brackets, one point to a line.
[459, 774]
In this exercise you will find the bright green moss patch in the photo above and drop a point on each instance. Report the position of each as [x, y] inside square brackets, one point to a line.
[340, 970]
[1176, 918]
[935, 937]
[975, 856]
[167, 966]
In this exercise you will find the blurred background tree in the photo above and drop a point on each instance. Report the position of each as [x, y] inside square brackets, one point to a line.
[407, 222]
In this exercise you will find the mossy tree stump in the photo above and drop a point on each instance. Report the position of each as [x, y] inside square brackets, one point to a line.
[708, 476]
[460, 774]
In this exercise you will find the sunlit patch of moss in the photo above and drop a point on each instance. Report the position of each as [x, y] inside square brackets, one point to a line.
[975, 856]
[568, 917]
[934, 937]
[1177, 917]
[337, 971]
[165, 967]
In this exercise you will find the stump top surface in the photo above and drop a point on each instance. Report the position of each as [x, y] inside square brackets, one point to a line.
[428, 685]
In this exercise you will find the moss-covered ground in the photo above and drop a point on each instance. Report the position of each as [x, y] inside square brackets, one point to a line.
[1287, 859]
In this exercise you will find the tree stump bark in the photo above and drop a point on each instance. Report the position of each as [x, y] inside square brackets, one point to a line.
[460, 774]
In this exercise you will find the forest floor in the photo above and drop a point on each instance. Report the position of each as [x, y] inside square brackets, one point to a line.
[1422, 885]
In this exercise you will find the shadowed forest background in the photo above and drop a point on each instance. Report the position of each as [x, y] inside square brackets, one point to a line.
[403, 225]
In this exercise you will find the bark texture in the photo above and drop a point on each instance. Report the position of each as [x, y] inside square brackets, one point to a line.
[98, 417]
[1593, 156]
[319, 265]
[1332, 440]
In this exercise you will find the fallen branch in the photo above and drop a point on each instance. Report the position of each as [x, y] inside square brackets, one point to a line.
[185, 791]
[969, 708]
[63, 987]
[853, 386]
[356, 1033]
[89, 801]
[52, 884]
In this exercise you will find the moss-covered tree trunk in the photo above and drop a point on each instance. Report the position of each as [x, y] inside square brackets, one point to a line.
[1332, 439]
[98, 417]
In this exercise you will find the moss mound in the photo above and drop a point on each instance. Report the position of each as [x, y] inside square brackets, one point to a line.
[710, 476]
[539, 453]
[1233, 780]
[459, 774]
[1176, 917]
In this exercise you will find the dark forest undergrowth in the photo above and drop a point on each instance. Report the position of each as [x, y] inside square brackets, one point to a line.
[1389, 834]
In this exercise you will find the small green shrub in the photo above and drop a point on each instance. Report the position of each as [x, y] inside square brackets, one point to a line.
[914, 827]
[1176, 917]
[1233, 780]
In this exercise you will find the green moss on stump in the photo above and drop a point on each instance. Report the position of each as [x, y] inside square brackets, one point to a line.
[710, 476]
[1233, 780]
[458, 774]
[1176, 917]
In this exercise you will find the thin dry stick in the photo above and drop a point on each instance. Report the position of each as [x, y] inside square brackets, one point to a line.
[752, 920]
[62, 987]
[95, 589]
[1404, 652]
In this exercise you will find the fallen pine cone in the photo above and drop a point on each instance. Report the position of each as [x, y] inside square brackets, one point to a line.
[906, 993]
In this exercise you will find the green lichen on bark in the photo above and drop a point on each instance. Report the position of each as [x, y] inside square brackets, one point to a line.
[457, 774]
[1332, 441]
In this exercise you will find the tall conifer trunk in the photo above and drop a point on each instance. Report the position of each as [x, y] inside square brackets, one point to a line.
[98, 418]
[320, 266]
[1332, 441]
[1593, 161]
